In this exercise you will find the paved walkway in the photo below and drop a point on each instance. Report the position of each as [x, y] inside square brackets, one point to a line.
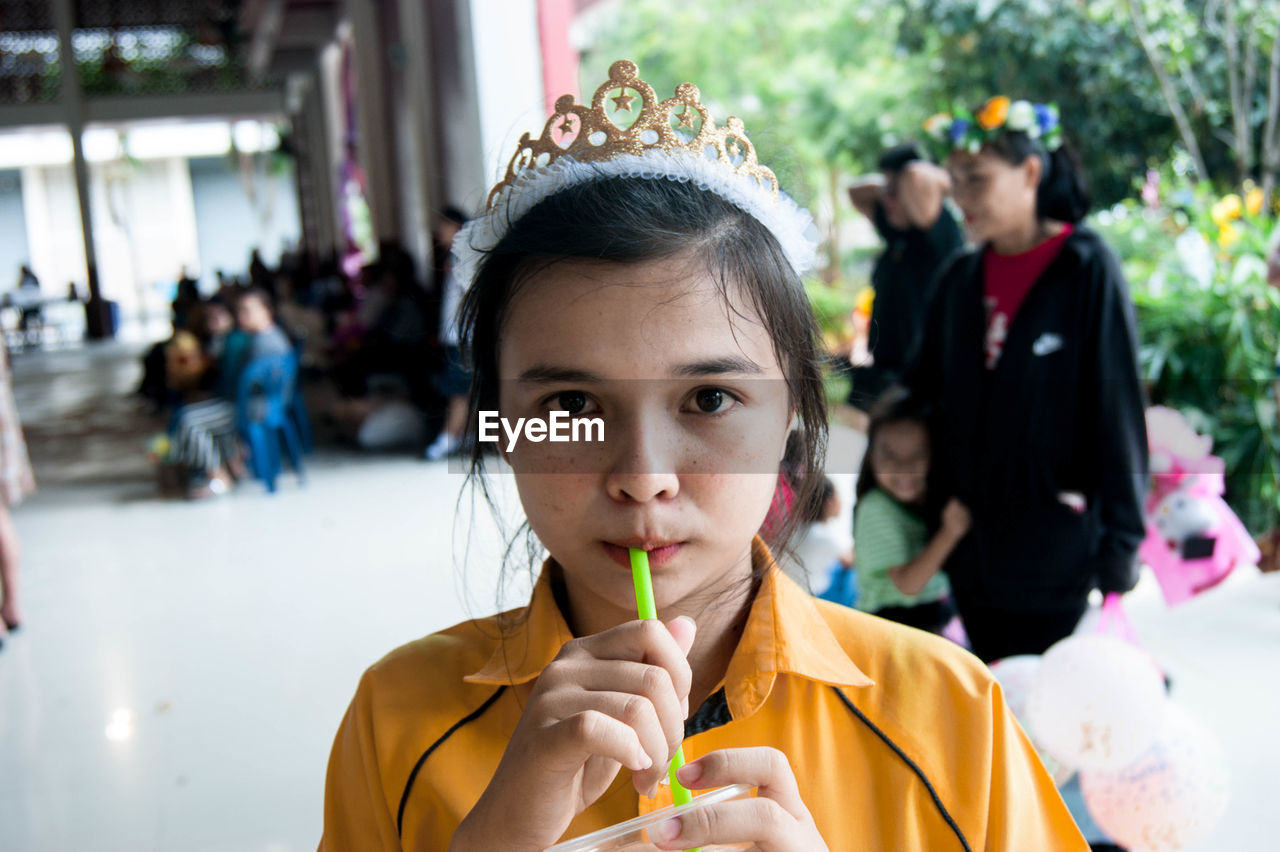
[184, 666]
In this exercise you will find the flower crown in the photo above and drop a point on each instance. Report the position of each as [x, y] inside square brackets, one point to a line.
[964, 131]
[673, 139]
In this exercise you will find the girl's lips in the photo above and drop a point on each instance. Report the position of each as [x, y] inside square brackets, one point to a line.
[657, 556]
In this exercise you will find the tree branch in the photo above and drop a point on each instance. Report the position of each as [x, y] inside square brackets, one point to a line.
[1167, 88]
[1271, 131]
[1198, 98]
[1239, 110]
[1250, 82]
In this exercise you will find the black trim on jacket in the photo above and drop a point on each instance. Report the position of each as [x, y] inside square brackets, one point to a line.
[413, 775]
[915, 767]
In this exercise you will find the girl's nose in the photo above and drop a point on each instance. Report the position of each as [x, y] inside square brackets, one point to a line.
[642, 466]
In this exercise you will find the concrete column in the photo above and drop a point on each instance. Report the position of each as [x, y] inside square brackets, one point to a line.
[374, 149]
[559, 59]
[73, 103]
[322, 174]
[463, 172]
[315, 175]
[425, 193]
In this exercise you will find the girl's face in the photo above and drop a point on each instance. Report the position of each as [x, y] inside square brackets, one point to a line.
[996, 198]
[219, 320]
[253, 315]
[900, 460]
[695, 410]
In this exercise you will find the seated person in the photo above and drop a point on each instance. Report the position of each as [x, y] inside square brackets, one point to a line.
[204, 432]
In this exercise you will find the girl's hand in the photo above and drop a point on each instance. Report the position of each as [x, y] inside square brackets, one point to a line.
[618, 698]
[776, 820]
[956, 518]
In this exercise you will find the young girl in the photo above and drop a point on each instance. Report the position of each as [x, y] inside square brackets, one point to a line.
[1030, 354]
[633, 277]
[899, 563]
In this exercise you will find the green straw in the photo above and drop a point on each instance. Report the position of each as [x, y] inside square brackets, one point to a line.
[680, 795]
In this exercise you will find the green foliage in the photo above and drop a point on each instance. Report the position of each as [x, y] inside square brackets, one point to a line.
[1039, 50]
[831, 308]
[1193, 43]
[818, 84]
[824, 86]
[1208, 345]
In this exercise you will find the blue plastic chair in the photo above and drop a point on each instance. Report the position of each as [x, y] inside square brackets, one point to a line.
[264, 402]
[842, 587]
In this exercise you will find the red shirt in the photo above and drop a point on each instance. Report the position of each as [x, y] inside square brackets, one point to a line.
[1006, 281]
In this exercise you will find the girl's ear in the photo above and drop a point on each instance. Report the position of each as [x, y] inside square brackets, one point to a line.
[1034, 167]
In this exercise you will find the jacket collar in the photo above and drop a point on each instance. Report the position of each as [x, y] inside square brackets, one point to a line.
[784, 634]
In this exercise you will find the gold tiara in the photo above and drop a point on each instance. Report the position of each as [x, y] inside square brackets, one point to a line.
[678, 125]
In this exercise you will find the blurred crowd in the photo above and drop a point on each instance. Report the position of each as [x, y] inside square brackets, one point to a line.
[376, 360]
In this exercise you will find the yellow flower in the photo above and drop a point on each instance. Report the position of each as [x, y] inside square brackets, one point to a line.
[1227, 234]
[1253, 201]
[863, 303]
[993, 114]
[1228, 208]
[1232, 206]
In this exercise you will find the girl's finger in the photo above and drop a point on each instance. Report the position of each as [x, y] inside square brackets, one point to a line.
[646, 641]
[765, 768]
[591, 733]
[638, 714]
[760, 821]
[653, 682]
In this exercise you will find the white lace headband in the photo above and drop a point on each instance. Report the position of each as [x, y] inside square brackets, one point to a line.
[675, 139]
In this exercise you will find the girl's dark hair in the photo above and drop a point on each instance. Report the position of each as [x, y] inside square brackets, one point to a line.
[1064, 192]
[632, 220]
[898, 157]
[897, 405]
[825, 493]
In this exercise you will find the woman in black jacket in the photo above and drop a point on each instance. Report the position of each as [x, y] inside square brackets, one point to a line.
[1030, 354]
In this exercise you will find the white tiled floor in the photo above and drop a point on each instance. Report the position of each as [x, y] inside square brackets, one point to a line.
[231, 634]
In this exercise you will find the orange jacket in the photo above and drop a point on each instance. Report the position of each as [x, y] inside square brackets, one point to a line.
[900, 740]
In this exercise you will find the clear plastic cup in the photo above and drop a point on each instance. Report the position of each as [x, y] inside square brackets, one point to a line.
[633, 835]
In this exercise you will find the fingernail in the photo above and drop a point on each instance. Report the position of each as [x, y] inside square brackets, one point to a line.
[645, 762]
[692, 623]
[669, 830]
[689, 773]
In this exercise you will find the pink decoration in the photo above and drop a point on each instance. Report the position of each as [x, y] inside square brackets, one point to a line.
[1193, 540]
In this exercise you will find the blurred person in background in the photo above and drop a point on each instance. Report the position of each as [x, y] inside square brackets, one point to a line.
[204, 433]
[16, 482]
[454, 380]
[26, 298]
[1029, 352]
[820, 553]
[905, 203]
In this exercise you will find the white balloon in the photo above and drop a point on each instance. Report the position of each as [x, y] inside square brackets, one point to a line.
[1096, 702]
[1171, 797]
[1015, 676]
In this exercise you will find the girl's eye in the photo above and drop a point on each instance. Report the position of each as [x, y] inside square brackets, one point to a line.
[571, 401]
[711, 400]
